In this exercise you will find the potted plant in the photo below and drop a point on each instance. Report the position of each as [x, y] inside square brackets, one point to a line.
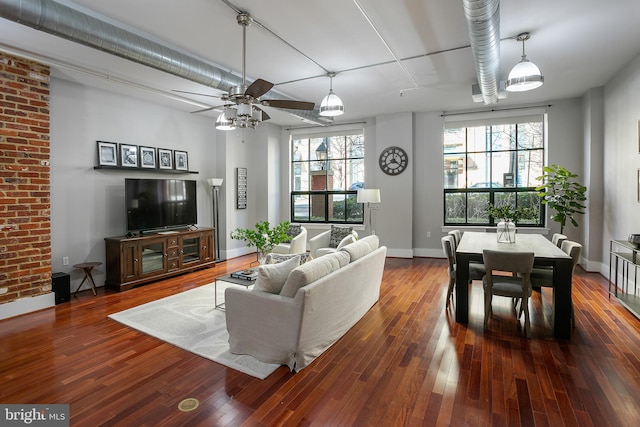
[509, 215]
[262, 237]
[563, 194]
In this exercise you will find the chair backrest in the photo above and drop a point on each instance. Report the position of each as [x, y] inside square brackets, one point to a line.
[514, 262]
[457, 236]
[574, 250]
[447, 248]
[557, 239]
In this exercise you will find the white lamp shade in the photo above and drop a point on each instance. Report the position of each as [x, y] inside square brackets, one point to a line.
[215, 182]
[524, 76]
[225, 123]
[244, 110]
[331, 105]
[368, 195]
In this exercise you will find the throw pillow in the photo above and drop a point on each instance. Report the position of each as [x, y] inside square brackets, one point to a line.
[338, 233]
[274, 258]
[271, 277]
[292, 232]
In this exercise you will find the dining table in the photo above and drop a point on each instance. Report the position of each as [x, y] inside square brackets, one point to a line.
[547, 255]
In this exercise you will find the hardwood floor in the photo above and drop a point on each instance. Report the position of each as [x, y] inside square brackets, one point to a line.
[406, 363]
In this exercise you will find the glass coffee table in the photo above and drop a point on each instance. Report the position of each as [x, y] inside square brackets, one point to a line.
[229, 278]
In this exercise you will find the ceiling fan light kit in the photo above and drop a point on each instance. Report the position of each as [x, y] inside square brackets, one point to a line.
[224, 122]
[241, 102]
[525, 75]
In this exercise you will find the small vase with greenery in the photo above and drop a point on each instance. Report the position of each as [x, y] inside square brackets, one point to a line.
[509, 215]
[562, 193]
[262, 237]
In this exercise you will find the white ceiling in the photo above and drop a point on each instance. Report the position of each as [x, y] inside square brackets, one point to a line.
[578, 45]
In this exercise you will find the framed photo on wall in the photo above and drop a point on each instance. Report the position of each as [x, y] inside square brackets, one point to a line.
[165, 158]
[128, 156]
[147, 157]
[181, 160]
[241, 188]
[638, 182]
[107, 153]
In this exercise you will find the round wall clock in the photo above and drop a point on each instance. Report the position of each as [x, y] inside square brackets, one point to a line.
[393, 160]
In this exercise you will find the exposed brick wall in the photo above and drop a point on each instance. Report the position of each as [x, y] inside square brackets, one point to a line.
[25, 225]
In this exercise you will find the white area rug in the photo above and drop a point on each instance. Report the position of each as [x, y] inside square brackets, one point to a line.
[189, 321]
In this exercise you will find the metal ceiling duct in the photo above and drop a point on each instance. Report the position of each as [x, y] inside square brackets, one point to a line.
[63, 21]
[483, 23]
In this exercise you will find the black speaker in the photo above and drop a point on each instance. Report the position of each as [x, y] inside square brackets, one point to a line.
[61, 285]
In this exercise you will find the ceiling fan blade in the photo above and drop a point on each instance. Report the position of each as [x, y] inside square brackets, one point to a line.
[203, 110]
[195, 93]
[258, 88]
[292, 105]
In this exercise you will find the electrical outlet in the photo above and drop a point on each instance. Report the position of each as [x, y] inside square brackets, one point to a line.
[428, 234]
[65, 260]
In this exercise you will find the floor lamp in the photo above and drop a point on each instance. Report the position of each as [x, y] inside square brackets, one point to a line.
[215, 184]
[369, 196]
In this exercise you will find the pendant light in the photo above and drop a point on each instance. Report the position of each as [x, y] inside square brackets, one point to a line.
[331, 105]
[525, 75]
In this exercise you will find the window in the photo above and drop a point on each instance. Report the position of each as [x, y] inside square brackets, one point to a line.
[496, 163]
[326, 172]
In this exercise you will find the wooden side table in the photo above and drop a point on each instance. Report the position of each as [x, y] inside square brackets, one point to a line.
[87, 267]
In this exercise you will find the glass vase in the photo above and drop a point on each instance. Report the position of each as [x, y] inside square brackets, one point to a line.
[506, 232]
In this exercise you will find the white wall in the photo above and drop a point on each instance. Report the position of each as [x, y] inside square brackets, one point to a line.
[428, 205]
[394, 217]
[87, 205]
[621, 157]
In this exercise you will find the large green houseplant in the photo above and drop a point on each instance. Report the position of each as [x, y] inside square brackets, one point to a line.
[562, 193]
[263, 237]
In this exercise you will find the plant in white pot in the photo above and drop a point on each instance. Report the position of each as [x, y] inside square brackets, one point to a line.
[508, 215]
[262, 237]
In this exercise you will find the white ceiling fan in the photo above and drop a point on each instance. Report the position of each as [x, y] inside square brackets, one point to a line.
[241, 103]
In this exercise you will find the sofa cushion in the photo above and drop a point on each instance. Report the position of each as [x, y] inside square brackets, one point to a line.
[362, 247]
[338, 232]
[275, 258]
[271, 277]
[312, 271]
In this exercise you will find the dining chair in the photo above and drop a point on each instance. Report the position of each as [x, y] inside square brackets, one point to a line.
[457, 235]
[558, 238]
[476, 271]
[543, 277]
[516, 286]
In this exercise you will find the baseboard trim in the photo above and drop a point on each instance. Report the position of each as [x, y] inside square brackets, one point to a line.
[27, 305]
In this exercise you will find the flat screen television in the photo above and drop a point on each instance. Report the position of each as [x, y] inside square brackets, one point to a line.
[154, 204]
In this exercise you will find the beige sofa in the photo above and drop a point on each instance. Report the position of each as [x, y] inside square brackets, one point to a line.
[318, 303]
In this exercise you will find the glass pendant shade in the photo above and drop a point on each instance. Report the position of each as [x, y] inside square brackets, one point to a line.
[331, 105]
[224, 122]
[524, 76]
[244, 110]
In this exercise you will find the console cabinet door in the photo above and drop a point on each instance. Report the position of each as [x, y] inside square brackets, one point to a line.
[130, 262]
[206, 247]
[190, 249]
[153, 258]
